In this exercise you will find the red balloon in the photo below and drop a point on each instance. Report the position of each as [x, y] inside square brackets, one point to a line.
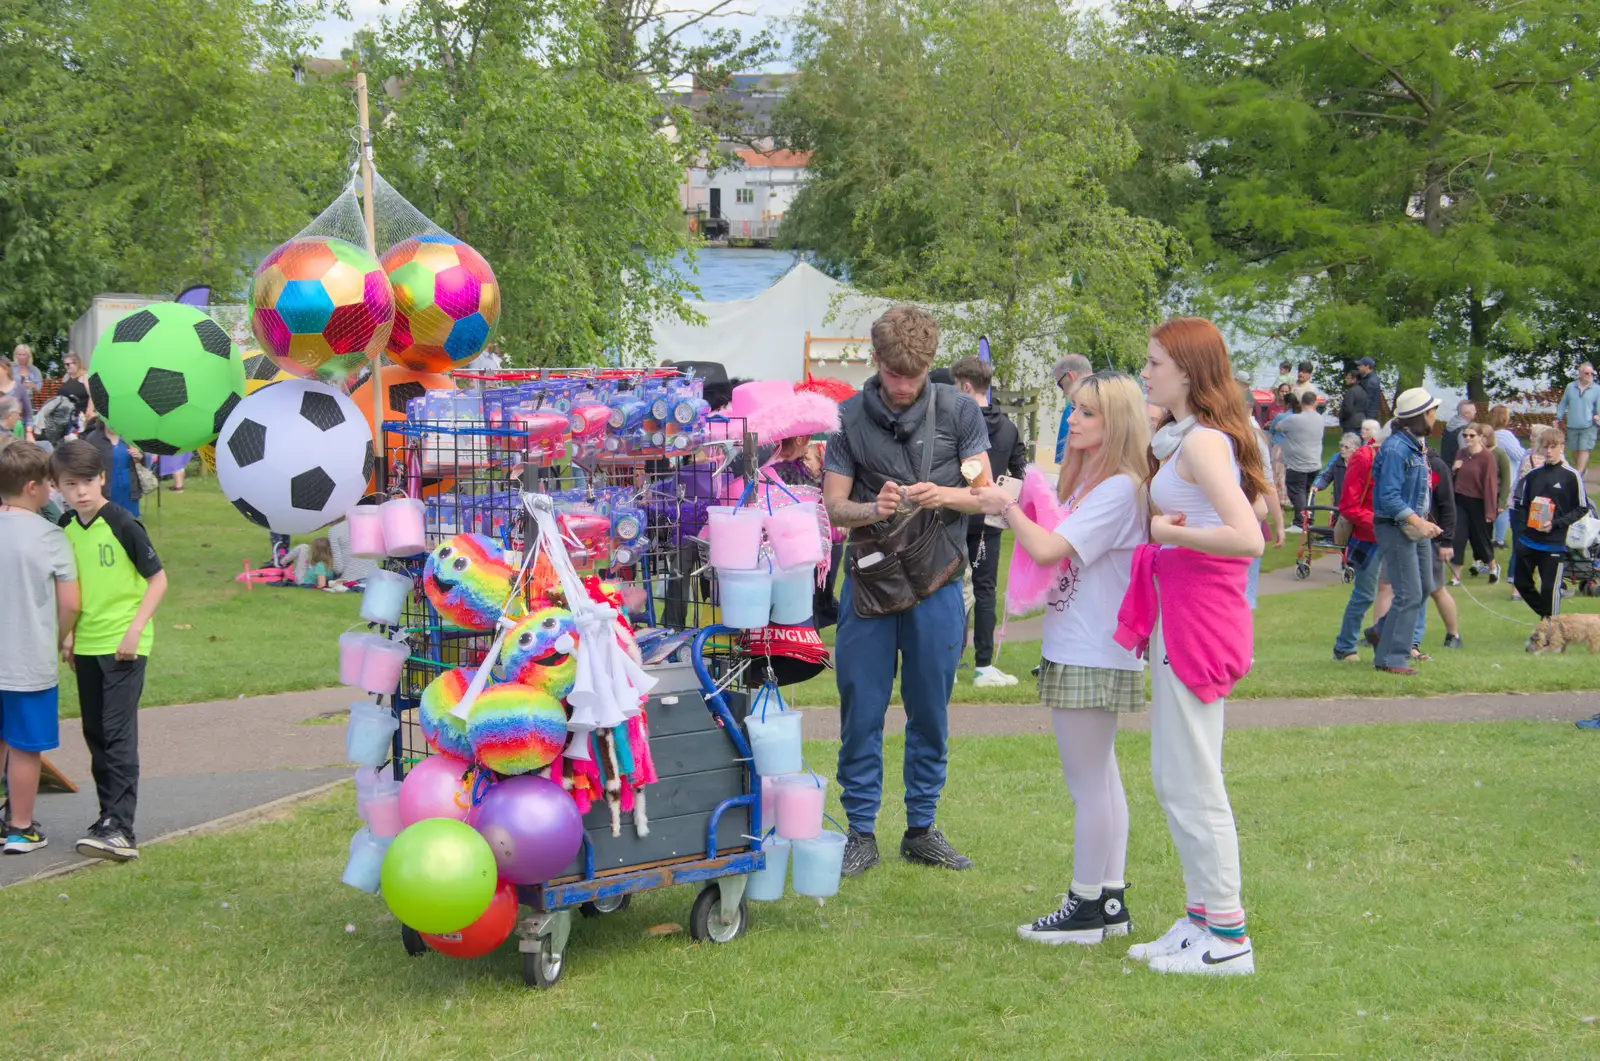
[484, 934]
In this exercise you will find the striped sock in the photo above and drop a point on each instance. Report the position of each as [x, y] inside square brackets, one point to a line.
[1197, 913]
[1229, 926]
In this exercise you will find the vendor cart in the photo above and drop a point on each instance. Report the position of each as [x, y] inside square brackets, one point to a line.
[703, 816]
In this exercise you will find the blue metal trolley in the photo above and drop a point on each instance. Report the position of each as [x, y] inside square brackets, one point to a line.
[704, 809]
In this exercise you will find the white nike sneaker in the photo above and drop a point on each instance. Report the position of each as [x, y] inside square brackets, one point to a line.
[1211, 957]
[1183, 933]
[989, 677]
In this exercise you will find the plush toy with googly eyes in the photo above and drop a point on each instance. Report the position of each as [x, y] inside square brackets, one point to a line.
[467, 580]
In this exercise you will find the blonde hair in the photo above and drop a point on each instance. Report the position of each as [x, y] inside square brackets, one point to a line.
[1120, 403]
[1485, 434]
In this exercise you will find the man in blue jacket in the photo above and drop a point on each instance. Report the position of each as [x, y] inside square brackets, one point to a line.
[1400, 499]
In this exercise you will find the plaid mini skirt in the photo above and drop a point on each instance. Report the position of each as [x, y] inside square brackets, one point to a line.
[1076, 688]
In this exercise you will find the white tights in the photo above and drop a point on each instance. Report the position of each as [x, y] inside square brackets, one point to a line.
[1086, 739]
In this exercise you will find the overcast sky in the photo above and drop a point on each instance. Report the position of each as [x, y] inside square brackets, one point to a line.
[754, 16]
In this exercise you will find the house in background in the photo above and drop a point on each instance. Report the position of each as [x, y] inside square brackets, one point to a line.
[741, 197]
[744, 203]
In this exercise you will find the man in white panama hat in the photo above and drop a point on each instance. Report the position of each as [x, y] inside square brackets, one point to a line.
[1401, 491]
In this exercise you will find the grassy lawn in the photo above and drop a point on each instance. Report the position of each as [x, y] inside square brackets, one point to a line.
[1294, 655]
[215, 638]
[1414, 892]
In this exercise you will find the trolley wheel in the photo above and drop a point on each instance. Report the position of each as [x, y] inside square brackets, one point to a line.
[1302, 570]
[412, 940]
[1349, 573]
[705, 924]
[601, 907]
[541, 968]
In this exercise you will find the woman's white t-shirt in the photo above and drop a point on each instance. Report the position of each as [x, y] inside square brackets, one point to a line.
[1080, 612]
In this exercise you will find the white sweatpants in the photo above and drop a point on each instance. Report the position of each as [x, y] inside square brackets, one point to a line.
[1186, 770]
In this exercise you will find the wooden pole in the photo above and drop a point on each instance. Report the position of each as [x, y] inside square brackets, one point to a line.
[379, 469]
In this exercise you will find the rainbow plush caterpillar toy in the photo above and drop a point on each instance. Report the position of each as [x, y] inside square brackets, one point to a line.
[540, 651]
[467, 580]
[516, 729]
[443, 731]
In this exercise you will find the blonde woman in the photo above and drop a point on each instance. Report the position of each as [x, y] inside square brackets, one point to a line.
[1086, 678]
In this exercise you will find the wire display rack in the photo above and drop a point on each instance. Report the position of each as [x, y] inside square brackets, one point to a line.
[633, 515]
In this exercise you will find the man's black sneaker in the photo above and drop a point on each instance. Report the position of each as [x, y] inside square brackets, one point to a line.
[1078, 921]
[932, 849]
[1114, 910]
[1452, 640]
[860, 853]
[1371, 634]
[108, 840]
[19, 840]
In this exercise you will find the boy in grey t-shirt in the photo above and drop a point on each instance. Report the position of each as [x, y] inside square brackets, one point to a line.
[37, 568]
[1302, 450]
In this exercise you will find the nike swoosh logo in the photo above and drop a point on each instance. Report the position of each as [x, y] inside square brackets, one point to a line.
[1209, 960]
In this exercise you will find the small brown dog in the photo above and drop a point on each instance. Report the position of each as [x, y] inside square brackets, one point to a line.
[1557, 632]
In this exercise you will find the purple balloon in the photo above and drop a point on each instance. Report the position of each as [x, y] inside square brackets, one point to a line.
[532, 826]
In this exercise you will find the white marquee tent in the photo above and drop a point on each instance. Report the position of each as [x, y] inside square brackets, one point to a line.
[764, 337]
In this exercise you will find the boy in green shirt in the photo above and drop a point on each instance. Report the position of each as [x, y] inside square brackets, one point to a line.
[121, 581]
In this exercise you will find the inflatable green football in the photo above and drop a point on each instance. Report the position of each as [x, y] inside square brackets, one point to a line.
[165, 377]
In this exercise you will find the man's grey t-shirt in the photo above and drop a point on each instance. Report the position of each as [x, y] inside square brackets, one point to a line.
[34, 556]
[1302, 441]
[972, 438]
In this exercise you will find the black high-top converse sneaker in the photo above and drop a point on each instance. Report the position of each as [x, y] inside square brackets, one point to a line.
[1078, 921]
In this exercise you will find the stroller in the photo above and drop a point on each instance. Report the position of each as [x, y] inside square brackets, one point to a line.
[1582, 566]
[1315, 539]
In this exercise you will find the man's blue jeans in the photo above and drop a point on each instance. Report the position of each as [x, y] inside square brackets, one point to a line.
[1364, 558]
[926, 641]
[1408, 565]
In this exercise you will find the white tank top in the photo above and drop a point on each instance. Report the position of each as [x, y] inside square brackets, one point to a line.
[1173, 494]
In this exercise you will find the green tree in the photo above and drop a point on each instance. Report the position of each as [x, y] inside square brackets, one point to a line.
[1399, 180]
[510, 134]
[959, 150]
[150, 144]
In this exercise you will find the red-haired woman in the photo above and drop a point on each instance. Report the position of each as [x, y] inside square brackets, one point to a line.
[1188, 598]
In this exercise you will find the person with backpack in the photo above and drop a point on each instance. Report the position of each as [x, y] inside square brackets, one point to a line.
[1006, 453]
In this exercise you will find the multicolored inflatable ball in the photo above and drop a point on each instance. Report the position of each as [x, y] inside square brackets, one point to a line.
[467, 580]
[540, 651]
[443, 731]
[516, 729]
[446, 302]
[321, 307]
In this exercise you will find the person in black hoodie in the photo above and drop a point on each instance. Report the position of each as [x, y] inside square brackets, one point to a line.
[1353, 404]
[1008, 456]
[1558, 493]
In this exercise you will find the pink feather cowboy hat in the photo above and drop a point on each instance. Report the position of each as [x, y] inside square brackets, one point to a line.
[774, 410]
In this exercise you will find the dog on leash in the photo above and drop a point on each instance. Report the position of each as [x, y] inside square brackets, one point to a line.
[1557, 632]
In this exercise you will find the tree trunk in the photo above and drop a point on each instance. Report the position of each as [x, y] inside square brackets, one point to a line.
[1477, 346]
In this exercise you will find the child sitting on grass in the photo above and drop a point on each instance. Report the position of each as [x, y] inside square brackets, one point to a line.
[122, 583]
[36, 565]
[313, 564]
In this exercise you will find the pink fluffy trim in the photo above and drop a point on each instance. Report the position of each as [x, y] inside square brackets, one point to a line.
[1028, 583]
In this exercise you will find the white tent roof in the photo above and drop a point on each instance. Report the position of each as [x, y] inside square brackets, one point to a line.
[764, 337]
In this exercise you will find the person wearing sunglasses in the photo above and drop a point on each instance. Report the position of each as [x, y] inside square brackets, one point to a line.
[1068, 371]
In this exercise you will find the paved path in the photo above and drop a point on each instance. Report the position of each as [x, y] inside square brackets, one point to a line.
[204, 762]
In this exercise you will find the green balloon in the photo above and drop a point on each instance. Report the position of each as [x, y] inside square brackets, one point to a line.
[438, 875]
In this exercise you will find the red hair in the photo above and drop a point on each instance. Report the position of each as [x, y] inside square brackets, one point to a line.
[1197, 348]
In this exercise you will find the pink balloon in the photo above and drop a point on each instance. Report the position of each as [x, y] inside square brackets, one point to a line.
[440, 786]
